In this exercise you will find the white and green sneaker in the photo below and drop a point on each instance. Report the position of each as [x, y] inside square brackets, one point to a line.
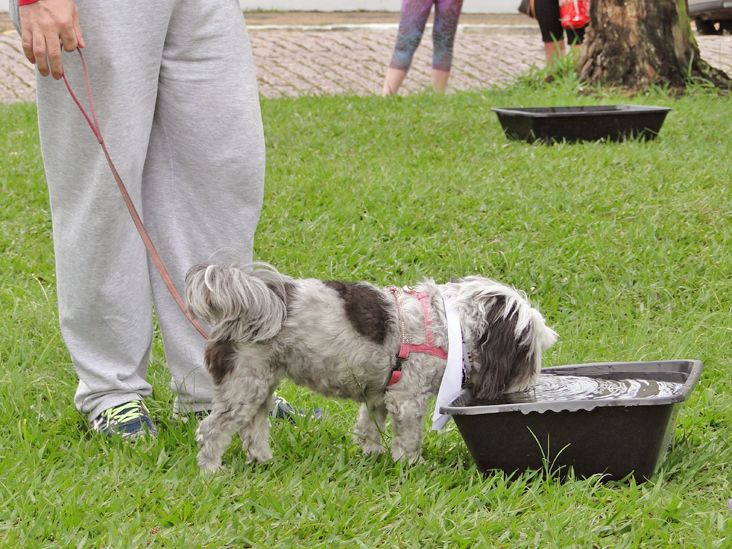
[129, 421]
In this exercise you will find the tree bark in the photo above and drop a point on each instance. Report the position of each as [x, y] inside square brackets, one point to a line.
[634, 44]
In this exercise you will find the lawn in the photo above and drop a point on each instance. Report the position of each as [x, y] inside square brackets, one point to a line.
[625, 247]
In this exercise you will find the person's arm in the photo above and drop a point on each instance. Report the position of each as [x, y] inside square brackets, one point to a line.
[46, 26]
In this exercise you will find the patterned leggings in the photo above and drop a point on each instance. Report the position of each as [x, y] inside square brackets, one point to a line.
[411, 26]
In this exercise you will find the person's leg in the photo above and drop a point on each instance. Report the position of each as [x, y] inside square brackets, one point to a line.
[439, 80]
[552, 34]
[412, 21]
[575, 37]
[101, 268]
[393, 81]
[447, 14]
[204, 174]
[553, 51]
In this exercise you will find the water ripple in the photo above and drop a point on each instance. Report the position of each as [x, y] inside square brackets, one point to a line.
[552, 387]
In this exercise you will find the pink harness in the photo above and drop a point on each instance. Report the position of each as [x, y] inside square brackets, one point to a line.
[405, 348]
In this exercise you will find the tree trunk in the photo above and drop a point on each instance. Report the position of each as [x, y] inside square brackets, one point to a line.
[634, 44]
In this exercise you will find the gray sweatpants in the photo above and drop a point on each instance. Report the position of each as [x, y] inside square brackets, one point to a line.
[175, 89]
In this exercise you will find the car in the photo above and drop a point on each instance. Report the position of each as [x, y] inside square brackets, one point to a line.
[711, 16]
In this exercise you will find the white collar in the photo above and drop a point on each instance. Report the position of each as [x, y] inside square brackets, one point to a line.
[458, 362]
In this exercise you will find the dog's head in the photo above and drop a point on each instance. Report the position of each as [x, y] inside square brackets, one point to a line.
[505, 335]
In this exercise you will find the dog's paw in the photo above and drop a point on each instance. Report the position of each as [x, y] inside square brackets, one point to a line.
[369, 447]
[407, 457]
[209, 468]
[259, 455]
[208, 465]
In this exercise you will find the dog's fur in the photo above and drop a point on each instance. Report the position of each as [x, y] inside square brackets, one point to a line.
[341, 339]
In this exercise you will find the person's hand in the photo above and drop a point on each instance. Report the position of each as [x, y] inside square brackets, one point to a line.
[46, 26]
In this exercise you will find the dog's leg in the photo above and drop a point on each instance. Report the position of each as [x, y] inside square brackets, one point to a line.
[238, 398]
[370, 426]
[255, 436]
[407, 410]
[214, 435]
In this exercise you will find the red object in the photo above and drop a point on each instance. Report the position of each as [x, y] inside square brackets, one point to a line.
[574, 14]
[428, 347]
[396, 375]
[26, 2]
[405, 348]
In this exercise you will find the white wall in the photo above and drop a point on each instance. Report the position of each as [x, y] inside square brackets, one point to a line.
[479, 6]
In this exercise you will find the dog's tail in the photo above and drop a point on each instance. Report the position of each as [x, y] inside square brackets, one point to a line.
[240, 302]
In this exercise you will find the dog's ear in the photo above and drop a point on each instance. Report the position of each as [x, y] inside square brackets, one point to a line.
[503, 360]
[506, 335]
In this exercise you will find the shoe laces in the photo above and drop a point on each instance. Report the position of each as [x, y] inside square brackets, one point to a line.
[125, 413]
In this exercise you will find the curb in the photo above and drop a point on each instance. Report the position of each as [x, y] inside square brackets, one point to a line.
[486, 28]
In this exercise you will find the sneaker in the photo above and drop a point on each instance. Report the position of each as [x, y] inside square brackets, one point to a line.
[284, 410]
[281, 410]
[198, 416]
[129, 421]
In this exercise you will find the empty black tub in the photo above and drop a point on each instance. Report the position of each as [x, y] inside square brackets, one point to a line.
[592, 123]
[612, 437]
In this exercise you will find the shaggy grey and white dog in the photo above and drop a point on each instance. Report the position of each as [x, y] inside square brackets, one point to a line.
[341, 339]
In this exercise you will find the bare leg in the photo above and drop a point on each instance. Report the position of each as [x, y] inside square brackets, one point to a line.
[553, 51]
[393, 81]
[439, 80]
[369, 426]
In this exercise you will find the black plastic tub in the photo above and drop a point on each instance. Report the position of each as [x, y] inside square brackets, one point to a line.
[590, 123]
[611, 437]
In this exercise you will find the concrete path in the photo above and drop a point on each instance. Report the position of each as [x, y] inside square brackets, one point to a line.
[320, 53]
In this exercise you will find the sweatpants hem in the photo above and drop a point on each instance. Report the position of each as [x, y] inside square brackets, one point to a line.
[185, 408]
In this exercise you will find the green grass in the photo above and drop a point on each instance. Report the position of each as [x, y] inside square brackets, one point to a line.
[625, 247]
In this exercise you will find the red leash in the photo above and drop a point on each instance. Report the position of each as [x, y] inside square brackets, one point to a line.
[96, 130]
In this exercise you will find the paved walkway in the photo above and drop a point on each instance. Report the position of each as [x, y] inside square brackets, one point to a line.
[318, 53]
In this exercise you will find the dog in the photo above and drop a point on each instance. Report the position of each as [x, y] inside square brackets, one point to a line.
[352, 340]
